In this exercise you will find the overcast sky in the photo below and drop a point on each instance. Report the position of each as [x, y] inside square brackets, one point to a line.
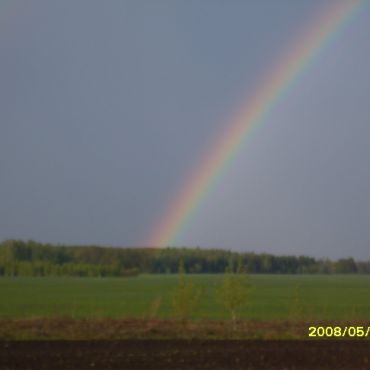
[105, 106]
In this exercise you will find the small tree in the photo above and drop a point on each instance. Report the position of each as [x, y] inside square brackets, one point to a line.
[296, 308]
[186, 296]
[235, 290]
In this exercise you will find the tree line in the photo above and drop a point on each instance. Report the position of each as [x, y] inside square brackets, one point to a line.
[31, 258]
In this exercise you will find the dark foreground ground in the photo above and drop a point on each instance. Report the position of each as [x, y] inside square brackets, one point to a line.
[185, 354]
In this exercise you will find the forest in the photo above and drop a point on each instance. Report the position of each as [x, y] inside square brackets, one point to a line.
[31, 258]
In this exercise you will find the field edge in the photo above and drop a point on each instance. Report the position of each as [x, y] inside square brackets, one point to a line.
[64, 328]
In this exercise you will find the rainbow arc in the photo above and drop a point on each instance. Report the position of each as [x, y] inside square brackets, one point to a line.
[254, 111]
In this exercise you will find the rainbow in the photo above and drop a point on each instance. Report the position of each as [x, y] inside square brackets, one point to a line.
[255, 110]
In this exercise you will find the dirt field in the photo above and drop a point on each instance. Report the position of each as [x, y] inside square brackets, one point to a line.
[108, 329]
[185, 354]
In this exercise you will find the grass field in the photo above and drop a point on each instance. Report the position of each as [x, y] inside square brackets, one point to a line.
[305, 297]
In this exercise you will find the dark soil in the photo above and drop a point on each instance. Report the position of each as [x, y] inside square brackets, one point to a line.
[117, 329]
[186, 354]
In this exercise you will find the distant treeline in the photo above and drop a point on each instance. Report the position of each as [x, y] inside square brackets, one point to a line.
[30, 258]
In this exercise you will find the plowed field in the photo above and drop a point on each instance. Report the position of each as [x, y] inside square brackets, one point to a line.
[185, 354]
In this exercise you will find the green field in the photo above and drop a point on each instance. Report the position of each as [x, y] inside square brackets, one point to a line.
[308, 297]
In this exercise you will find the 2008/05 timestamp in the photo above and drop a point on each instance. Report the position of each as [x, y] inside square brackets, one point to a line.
[339, 331]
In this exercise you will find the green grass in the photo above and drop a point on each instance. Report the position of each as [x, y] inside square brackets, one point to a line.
[309, 297]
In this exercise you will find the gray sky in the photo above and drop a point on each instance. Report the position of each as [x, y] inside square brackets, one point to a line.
[106, 105]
